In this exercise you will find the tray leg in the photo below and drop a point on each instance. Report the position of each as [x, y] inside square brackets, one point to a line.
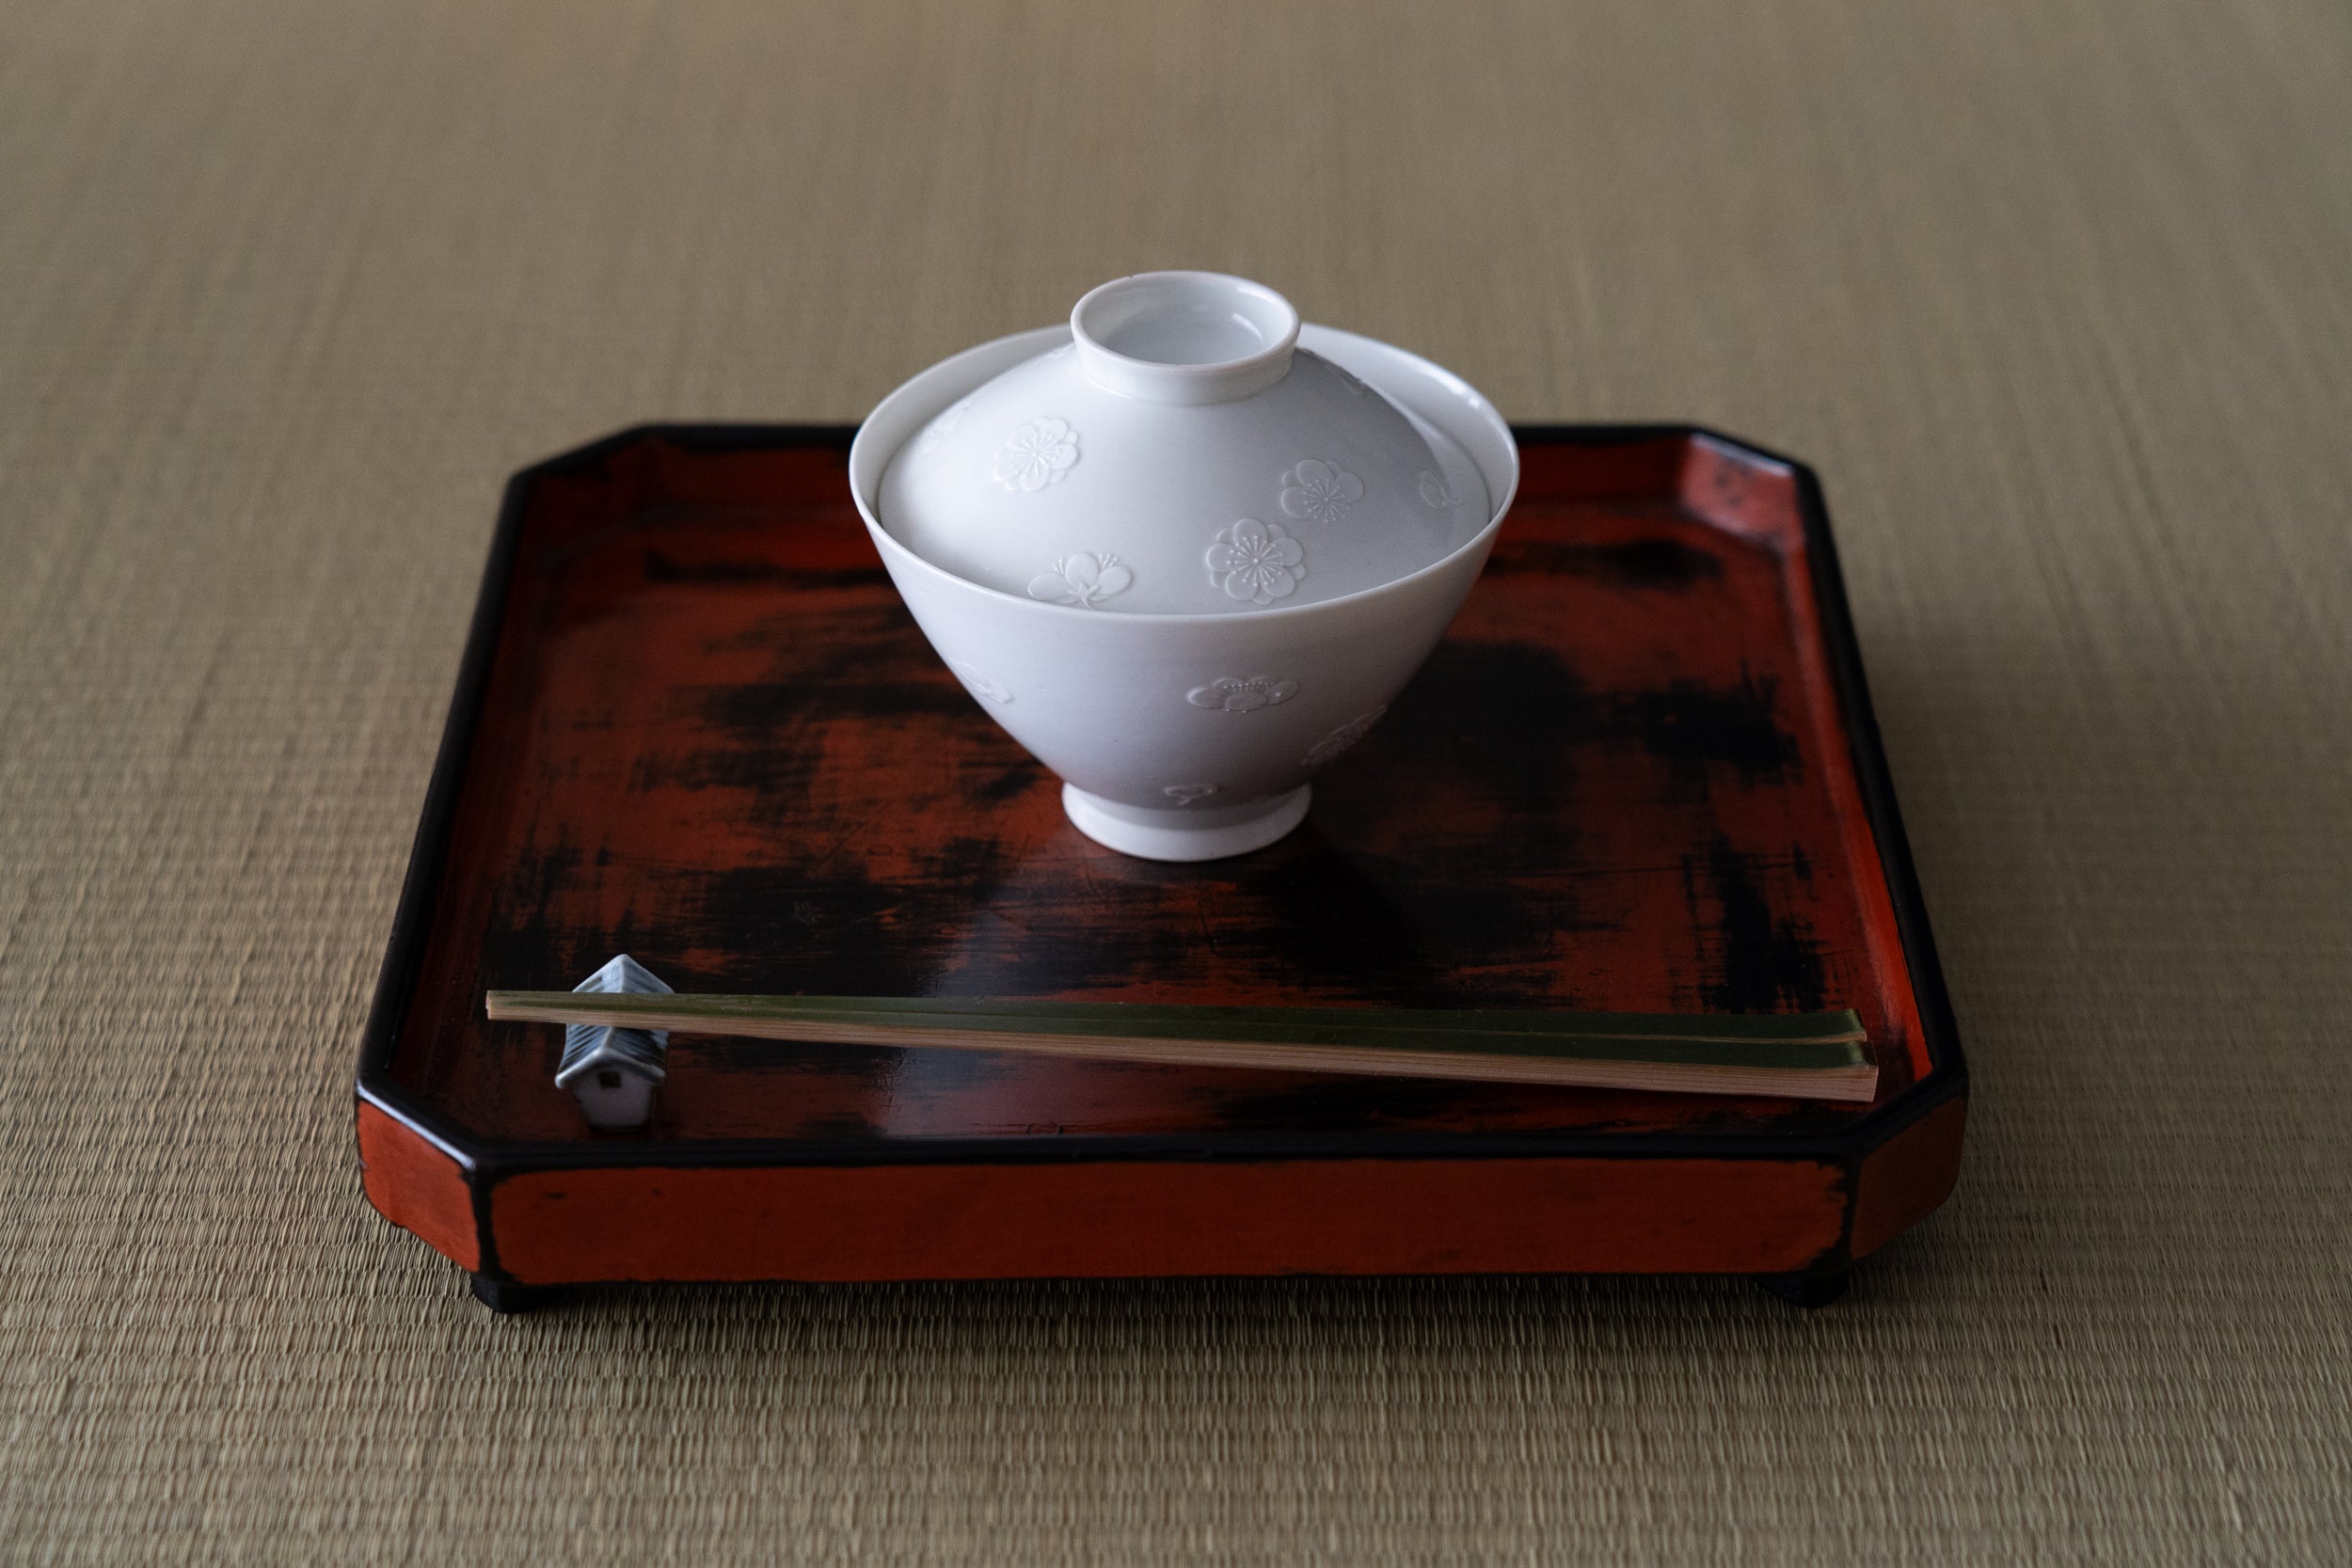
[503, 1297]
[1805, 1289]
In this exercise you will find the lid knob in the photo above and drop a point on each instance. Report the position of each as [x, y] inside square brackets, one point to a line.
[1185, 337]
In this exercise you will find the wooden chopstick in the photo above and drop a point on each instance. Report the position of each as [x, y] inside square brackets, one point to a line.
[1802, 1056]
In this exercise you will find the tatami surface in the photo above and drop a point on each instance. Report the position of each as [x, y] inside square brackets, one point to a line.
[2057, 295]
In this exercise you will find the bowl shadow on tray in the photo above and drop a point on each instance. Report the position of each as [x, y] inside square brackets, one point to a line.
[1389, 895]
[1448, 860]
[1462, 855]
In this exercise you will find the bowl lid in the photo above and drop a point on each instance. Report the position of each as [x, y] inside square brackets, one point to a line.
[1179, 454]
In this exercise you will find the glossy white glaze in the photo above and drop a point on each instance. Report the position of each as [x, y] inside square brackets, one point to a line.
[1191, 736]
[1189, 437]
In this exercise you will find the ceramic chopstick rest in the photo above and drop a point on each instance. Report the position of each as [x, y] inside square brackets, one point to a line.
[611, 1071]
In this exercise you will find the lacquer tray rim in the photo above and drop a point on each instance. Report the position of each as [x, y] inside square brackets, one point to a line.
[1945, 1080]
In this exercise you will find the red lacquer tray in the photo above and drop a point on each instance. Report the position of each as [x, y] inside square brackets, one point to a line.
[695, 725]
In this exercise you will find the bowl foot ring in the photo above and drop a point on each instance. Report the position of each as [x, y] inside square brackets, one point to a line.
[1193, 832]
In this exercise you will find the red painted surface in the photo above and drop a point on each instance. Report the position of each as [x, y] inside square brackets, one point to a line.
[712, 738]
[1347, 1217]
[1908, 1177]
[418, 1187]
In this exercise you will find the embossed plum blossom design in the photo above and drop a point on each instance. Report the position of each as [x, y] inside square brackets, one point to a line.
[942, 427]
[1036, 455]
[1084, 581]
[1434, 492]
[1185, 795]
[1257, 561]
[1322, 491]
[1232, 694]
[1342, 738]
[981, 686]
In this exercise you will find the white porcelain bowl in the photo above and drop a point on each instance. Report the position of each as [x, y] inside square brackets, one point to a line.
[1185, 719]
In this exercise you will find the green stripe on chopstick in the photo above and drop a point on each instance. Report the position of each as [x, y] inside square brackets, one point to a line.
[1341, 1039]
